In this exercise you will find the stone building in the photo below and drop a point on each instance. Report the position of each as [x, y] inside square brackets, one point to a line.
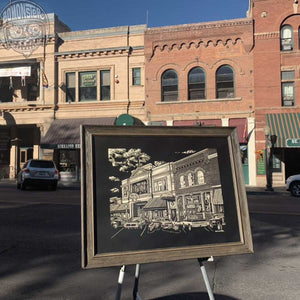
[93, 77]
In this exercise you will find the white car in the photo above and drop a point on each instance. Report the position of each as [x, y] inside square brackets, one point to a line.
[38, 172]
[293, 185]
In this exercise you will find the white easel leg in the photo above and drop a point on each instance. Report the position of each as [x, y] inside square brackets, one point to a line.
[120, 282]
[207, 284]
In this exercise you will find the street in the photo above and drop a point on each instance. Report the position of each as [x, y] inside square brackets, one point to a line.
[40, 254]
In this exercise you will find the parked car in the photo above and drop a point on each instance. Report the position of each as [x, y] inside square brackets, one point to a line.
[293, 185]
[38, 172]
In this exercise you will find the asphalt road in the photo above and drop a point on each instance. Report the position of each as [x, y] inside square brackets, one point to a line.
[40, 254]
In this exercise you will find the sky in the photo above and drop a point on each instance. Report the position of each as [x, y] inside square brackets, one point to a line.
[93, 14]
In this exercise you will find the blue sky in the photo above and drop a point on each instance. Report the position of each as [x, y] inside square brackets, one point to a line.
[92, 14]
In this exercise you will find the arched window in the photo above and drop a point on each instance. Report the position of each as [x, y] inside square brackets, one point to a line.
[225, 82]
[191, 179]
[182, 181]
[200, 177]
[169, 86]
[196, 83]
[286, 38]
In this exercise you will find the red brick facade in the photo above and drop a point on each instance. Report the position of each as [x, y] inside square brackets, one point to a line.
[252, 47]
[209, 46]
[269, 61]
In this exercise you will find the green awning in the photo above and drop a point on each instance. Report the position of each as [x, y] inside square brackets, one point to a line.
[286, 126]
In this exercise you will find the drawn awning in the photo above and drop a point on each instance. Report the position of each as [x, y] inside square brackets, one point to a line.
[118, 208]
[217, 197]
[156, 203]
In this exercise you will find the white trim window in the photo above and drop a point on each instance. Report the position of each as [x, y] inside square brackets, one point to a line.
[286, 38]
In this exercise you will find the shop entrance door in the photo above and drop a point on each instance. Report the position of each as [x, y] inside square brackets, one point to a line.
[25, 154]
[292, 162]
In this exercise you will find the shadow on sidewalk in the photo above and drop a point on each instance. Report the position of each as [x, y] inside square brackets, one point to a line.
[194, 296]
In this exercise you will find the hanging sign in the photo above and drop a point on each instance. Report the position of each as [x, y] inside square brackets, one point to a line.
[293, 143]
[16, 72]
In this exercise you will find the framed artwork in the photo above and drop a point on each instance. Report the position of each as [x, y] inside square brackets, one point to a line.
[153, 194]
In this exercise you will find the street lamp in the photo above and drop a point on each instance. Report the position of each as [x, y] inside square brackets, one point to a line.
[269, 156]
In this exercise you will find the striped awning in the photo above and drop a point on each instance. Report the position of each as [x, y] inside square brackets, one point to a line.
[286, 126]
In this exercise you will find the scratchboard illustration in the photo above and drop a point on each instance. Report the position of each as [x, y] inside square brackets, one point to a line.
[175, 197]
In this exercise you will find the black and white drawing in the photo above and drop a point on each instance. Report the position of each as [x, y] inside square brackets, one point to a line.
[176, 196]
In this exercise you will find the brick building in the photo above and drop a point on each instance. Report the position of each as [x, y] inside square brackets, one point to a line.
[202, 75]
[242, 73]
[276, 83]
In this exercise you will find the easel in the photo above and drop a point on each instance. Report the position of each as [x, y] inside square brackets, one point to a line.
[137, 276]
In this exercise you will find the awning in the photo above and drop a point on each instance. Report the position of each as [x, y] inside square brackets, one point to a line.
[65, 133]
[156, 203]
[241, 125]
[286, 126]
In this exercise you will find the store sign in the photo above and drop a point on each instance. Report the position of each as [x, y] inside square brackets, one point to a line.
[88, 80]
[68, 146]
[292, 142]
[20, 71]
[25, 26]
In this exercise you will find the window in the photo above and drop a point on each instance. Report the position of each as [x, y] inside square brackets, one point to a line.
[105, 85]
[182, 181]
[286, 38]
[225, 82]
[70, 87]
[200, 177]
[169, 86]
[136, 76]
[288, 88]
[276, 163]
[87, 86]
[196, 82]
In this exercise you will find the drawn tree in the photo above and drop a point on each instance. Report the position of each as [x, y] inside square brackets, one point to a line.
[127, 160]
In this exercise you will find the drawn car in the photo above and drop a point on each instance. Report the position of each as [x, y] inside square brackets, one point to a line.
[116, 223]
[293, 185]
[217, 223]
[135, 223]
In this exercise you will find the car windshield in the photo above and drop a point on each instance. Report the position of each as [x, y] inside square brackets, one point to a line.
[45, 164]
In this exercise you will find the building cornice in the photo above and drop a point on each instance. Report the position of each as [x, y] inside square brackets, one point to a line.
[98, 52]
[20, 107]
[201, 26]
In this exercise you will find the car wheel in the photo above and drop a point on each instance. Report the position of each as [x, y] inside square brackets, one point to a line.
[23, 185]
[53, 187]
[295, 188]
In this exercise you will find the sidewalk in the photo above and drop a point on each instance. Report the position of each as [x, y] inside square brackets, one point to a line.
[261, 190]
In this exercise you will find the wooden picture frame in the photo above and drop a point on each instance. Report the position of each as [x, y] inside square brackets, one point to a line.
[153, 194]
